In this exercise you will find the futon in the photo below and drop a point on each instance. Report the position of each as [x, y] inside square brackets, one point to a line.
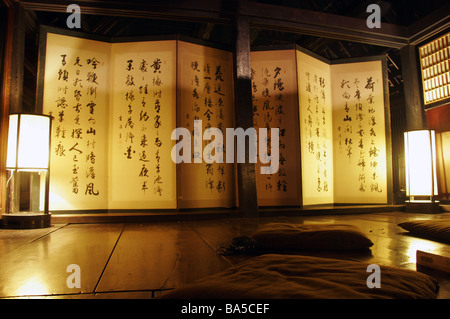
[276, 276]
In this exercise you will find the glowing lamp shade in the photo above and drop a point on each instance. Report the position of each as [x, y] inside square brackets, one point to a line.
[27, 164]
[420, 164]
[28, 142]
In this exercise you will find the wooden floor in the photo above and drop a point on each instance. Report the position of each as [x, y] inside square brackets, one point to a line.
[142, 260]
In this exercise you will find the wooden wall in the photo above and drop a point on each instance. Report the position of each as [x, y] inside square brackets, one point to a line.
[438, 119]
[398, 126]
[3, 111]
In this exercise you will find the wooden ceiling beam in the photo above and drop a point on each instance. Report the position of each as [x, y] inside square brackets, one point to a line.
[261, 16]
[325, 25]
[186, 10]
[430, 26]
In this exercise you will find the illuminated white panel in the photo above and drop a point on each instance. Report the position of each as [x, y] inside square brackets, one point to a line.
[420, 163]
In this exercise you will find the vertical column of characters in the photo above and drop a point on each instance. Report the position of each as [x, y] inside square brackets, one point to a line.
[128, 117]
[218, 96]
[360, 134]
[263, 115]
[92, 83]
[138, 97]
[308, 120]
[196, 110]
[259, 115]
[323, 137]
[207, 83]
[372, 131]
[157, 71]
[317, 123]
[278, 100]
[58, 111]
[345, 127]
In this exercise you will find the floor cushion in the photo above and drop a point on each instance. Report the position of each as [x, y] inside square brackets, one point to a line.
[438, 229]
[276, 276]
[284, 236]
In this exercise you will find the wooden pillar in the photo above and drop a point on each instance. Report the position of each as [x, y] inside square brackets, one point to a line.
[246, 172]
[13, 46]
[17, 58]
[414, 107]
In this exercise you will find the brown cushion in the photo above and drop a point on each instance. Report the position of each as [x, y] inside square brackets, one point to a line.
[276, 276]
[438, 229]
[283, 236]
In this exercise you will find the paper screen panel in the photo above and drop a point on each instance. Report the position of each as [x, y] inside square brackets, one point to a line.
[316, 130]
[360, 173]
[76, 87]
[143, 105]
[205, 92]
[275, 105]
[435, 67]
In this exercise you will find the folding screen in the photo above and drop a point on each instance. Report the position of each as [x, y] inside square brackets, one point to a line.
[115, 107]
[142, 116]
[334, 124]
[359, 133]
[76, 94]
[205, 93]
[316, 129]
[116, 104]
[275, 104]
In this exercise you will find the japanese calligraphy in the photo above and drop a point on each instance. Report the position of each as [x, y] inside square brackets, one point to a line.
[206, 99]
[360, 145]
[316, 129]
[74, 77]
[274, 104]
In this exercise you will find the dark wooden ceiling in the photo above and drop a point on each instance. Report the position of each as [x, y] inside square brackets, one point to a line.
[217, 29]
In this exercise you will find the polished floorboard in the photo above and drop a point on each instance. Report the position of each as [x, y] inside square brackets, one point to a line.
[143, 260]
